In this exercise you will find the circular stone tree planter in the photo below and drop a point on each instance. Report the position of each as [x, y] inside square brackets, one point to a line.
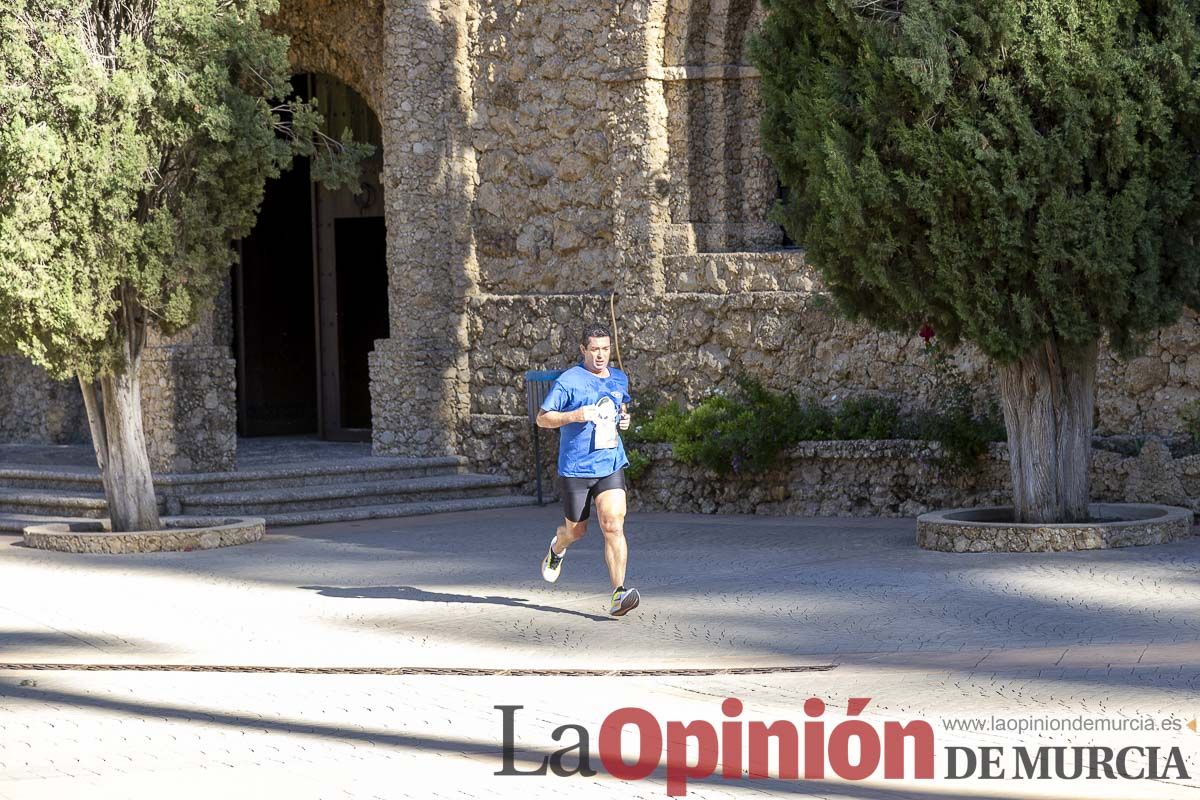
[991, 529]
[179, 534]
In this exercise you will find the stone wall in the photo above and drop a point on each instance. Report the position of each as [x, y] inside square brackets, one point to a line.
[536, 157]
[188, 399]
[37, 410]
[764, 315]
[543, 213]
[1143, 395]
[894, 479]
[189, 407]
[722, 185]
[706, 293]
[419, 396]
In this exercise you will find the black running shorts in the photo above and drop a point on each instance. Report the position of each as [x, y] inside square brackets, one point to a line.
[578, 493]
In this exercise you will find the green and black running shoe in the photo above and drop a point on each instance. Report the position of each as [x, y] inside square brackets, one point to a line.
[552, 563]
[623, 601]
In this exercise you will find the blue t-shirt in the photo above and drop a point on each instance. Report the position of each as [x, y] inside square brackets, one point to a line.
[578, 456]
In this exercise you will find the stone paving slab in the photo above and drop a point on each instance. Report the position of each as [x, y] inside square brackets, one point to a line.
[1110, 634]
[367, 736]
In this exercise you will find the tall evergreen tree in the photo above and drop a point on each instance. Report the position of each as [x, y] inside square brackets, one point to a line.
[1022, 175]
[136, 137]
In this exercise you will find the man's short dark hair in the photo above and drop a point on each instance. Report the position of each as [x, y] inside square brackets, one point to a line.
[594, 330]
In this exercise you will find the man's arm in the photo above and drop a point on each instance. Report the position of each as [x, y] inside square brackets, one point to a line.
[556, 419]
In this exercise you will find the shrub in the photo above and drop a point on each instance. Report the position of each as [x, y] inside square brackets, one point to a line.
[953, 420]
[637, 464]
[866, 418]
[730, 434]
[746, 432]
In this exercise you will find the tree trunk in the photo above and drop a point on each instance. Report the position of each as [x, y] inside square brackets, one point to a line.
[95, 416]
[1048, 397]
[120, 442]
[133, 506]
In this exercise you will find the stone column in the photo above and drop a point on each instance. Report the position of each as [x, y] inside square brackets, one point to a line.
[641, 179]
[419, 389]
[189, 400]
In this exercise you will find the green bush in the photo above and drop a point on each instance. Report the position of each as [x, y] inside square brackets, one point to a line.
[732, 434]
[637, 464]
[742, 432]
[746, 431]
[866, 418]
[655, 427]
[953, 420]
[963, 435]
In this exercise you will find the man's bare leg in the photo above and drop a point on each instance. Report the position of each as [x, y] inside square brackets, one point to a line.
[610, 507]
[568, 534]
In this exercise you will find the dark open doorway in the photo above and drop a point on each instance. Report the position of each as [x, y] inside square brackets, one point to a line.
[273, 322]
[310, 291]
[362, 312]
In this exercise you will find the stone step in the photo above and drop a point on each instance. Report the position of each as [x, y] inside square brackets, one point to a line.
[277, 477]
[45, 479]
[13, 522]
[319, 516]
[52, 503]
[265, 503]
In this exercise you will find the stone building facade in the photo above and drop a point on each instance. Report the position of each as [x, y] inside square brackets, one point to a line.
[535, 158]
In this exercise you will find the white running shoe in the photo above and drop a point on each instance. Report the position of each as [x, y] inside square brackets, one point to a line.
[552, 563]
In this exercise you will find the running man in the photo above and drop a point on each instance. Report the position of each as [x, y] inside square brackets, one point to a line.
[588, 403]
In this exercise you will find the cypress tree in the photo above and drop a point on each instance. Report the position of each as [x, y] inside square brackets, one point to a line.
[136, 137]
[1022, 175]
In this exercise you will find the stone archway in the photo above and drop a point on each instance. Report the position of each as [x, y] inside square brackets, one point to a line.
[310, 289]
[407, 58]
[342, 39]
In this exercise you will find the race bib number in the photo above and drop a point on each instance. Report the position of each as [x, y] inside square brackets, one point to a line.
[606, 424]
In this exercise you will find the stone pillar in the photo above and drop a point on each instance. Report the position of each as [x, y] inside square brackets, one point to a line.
[419, 389]
[189, 407]
[637, 126]
[419, 397]
[189, 401]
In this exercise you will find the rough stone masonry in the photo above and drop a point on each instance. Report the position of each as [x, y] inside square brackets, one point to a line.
[536, 157]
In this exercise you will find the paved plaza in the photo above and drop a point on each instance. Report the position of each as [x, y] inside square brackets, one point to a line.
[162, 703]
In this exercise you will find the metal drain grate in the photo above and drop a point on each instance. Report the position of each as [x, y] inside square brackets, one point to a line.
[450, 671]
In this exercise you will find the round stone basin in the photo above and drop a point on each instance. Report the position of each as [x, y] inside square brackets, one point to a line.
[178, 534]
[991, 529]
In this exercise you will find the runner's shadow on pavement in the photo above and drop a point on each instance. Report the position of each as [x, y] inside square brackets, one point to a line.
[423, 596]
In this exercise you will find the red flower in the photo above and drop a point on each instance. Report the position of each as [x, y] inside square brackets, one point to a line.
[926, 332]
